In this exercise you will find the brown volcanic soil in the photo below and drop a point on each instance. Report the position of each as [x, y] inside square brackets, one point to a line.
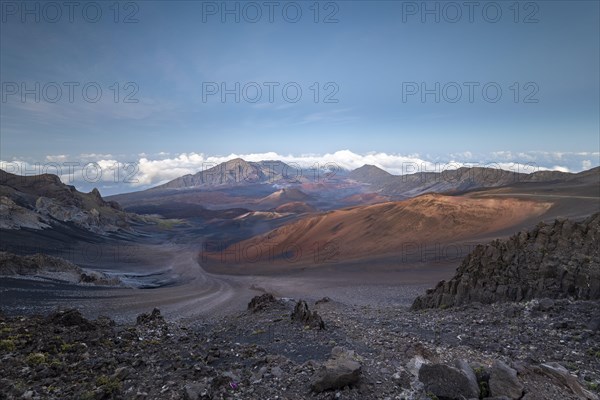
[283, 196]
[365, 198]
[575, 199]
[370, 232]
[296, 207]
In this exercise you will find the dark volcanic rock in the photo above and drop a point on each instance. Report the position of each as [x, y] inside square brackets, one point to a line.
[71, 317]
[504, 381]
[562, 377]
[154, 318]
[557, 260]
[448, 382]
[196, 391]
[323, 300]
[593, 325]
[261, 302]
[341, 370]
[302, 314]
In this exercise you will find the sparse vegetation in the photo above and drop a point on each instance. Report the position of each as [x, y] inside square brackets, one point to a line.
[66, 347]
[168, 223]
[7, 345]
[34, 359]
[108, 384]
[484, 389]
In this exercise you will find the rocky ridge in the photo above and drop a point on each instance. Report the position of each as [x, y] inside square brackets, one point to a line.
[554, 260]
[41, 201]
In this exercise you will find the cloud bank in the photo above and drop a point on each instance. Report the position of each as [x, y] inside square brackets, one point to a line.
[114, 174]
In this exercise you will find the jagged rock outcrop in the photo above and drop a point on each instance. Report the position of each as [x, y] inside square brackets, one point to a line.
[261, 302]
[309, 318]
[13, 216]
[71, 317]
[556, 260]
[155, 317]
[42, 201]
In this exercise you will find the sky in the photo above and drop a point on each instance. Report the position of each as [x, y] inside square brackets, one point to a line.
[167, 86]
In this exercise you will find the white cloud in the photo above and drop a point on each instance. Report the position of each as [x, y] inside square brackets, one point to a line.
[57, 158]
[94, 156]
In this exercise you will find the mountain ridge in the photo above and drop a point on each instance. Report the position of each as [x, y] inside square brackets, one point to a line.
[238, 172]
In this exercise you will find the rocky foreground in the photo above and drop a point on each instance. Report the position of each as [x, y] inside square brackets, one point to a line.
[283, 349]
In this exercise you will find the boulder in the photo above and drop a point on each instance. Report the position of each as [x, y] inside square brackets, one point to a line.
[561, 376]
[504, 381]
[196, 391]
[464, 367]
[415, 364]
[545, 304]
[449, 382]
[342, 369]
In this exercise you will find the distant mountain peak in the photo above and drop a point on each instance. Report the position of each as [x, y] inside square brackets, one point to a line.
[237, 160]
[371, 169]
[236, 171]
[370, 174]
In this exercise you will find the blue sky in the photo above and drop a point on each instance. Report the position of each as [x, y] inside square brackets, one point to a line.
[370, 57]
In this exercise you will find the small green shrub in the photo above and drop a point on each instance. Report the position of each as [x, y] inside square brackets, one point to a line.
[6, 330]
[66, 347]
[109, 385]
[7, 345]
[484, 390]
[34, 359]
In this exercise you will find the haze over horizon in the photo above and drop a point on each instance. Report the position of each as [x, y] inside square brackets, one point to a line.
[115, 175]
